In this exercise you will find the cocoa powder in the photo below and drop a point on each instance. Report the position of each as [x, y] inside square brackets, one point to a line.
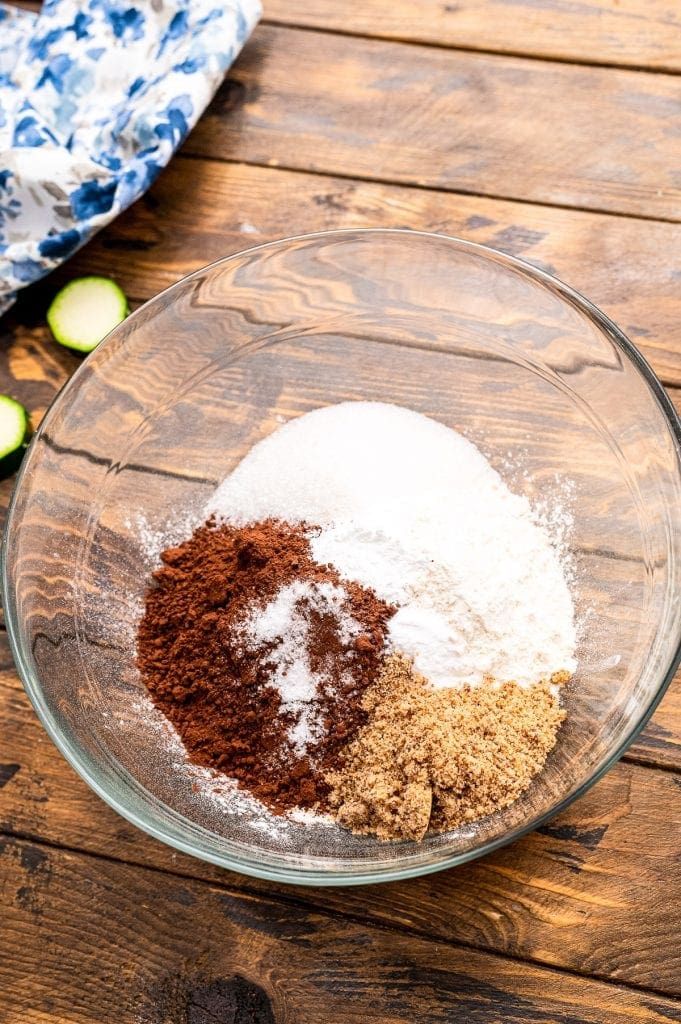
[218, 694]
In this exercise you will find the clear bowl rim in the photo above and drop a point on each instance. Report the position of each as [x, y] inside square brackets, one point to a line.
[249, 865]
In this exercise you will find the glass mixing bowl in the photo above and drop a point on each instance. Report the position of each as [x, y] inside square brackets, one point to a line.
[130, 451]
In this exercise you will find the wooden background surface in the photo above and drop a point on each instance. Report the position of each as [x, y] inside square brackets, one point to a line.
[550, 129]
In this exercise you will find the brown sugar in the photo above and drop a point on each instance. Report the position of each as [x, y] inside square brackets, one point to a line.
[436, 759]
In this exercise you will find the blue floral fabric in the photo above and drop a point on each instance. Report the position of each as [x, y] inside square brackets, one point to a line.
[95, 96]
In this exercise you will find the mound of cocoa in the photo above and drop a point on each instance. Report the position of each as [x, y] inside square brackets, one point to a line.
[220, 697]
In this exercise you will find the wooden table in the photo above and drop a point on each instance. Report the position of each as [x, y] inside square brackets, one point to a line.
[551, 130]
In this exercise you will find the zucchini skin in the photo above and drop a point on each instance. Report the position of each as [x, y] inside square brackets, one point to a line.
[10, 462]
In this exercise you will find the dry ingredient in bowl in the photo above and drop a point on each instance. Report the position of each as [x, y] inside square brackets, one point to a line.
[440, 758]
[370, 624]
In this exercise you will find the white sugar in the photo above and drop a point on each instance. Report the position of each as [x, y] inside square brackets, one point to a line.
[282, 628]
[413, 510]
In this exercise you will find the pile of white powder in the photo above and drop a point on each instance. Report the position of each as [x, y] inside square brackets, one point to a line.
[283, 627]
[414, 511]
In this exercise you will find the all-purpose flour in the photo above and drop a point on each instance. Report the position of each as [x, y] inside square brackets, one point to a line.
[413, 510]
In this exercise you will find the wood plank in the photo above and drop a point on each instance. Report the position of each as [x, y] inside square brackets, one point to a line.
[639, 33]
[200, 210]
[174, 950]
[588, 892]
[659, 744]
[509, 127]
[633, 33]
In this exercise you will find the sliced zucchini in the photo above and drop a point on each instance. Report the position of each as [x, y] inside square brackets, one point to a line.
[15, 433]
[85, 310]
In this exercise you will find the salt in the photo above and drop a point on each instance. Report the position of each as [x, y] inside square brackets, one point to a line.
[283, 628]
[411, 509]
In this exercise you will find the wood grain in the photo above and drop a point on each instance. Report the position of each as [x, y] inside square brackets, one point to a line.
[659, 745]
[640, 33]
[634, 33]
[87, 937]
[588, 892]
[176, 951]
[201, 210]
[500, 126]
